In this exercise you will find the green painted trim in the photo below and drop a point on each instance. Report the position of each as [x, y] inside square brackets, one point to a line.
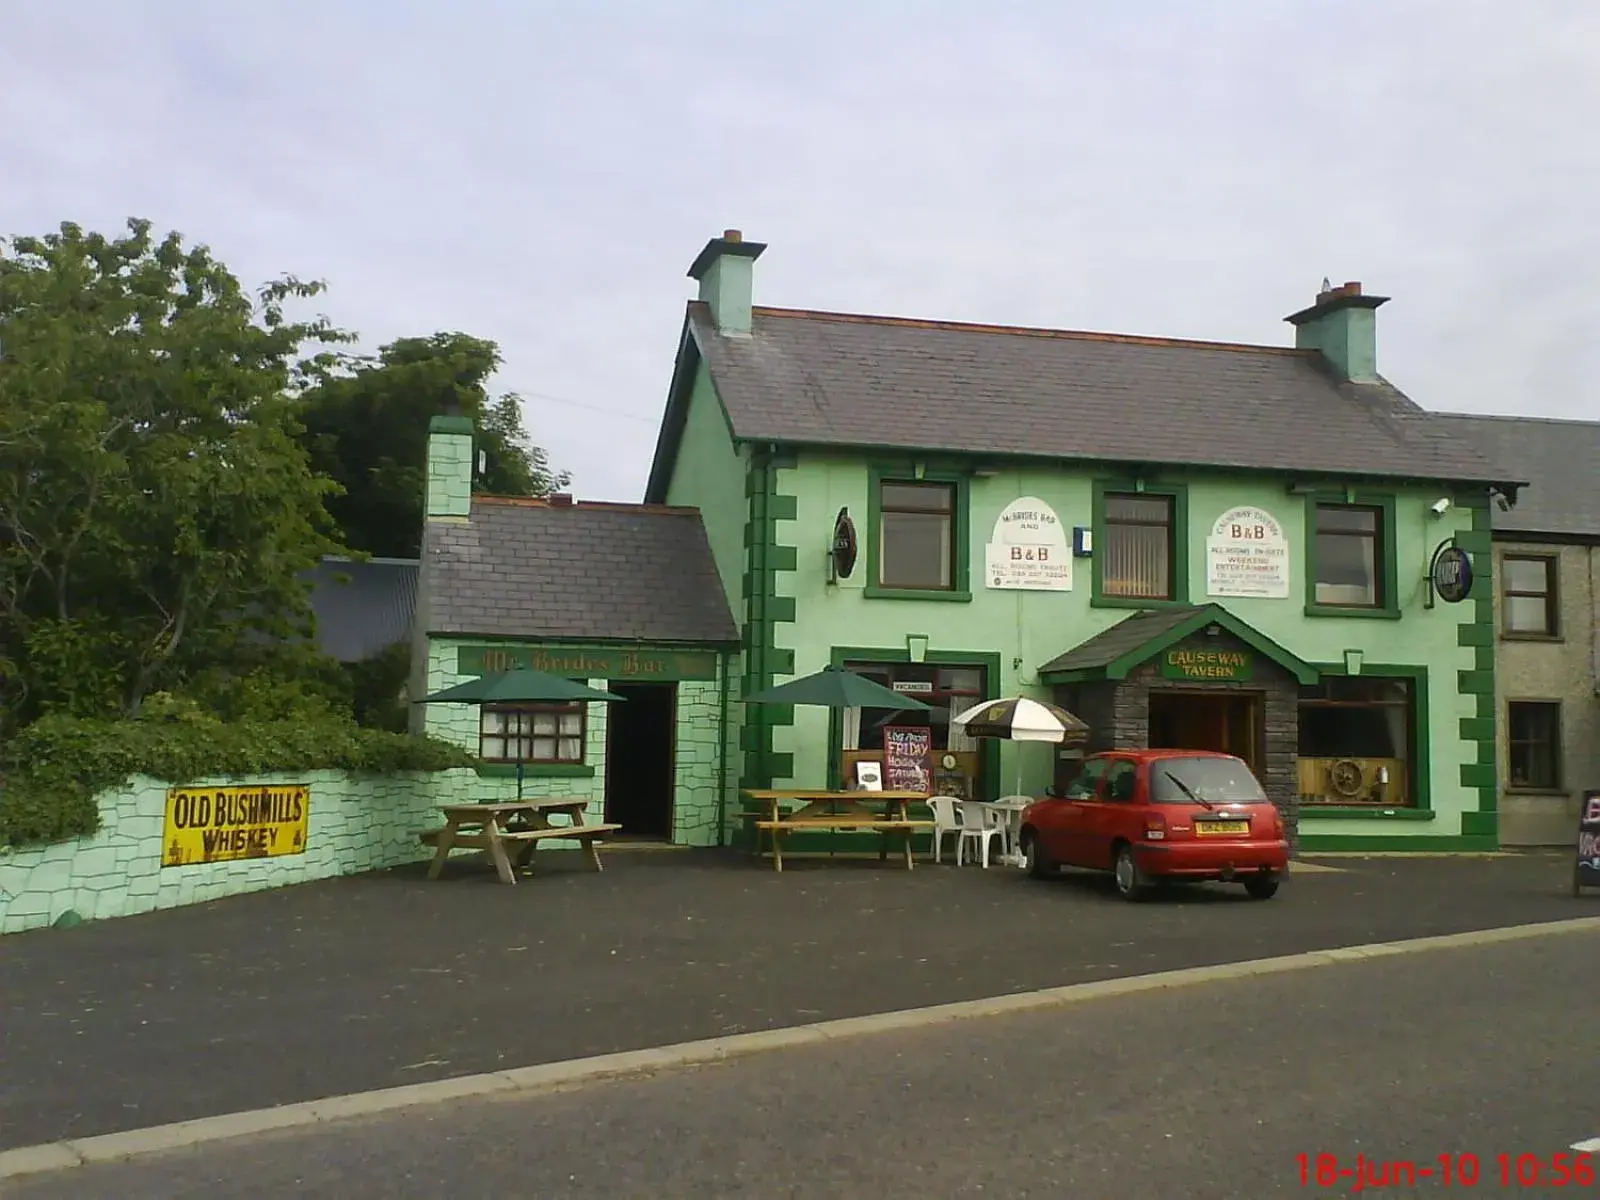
[765, 559]
[675, 417]
[450, 424]
[1477, 775]
[877, 593]
[909, 471]
[1361, 812]
[1214, 614]
[724, 694]
[540, 770]
[1421, 747]
[988, 660]
[1475, 683]
[1179, 492]
[1388, 569]
[1311, 843]
[1478, 631]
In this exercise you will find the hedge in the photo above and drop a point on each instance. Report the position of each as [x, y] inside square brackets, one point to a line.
[52, 770]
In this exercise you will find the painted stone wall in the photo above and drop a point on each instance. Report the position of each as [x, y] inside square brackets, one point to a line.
[353, 824]
[698, 750]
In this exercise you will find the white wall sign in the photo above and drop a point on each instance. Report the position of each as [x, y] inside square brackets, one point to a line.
[1247, 555]
[1028, 549]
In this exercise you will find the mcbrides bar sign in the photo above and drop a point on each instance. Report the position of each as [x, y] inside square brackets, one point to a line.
[206, 825]
[1028, 549]
[1247, 555]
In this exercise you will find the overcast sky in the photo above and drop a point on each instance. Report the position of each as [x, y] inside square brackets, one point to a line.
[543, 174]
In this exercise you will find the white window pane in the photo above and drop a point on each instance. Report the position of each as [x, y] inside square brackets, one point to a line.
[544, 749]
[914, 550]
[1347, 570]
[572, 723]
[494, 722]
[1527, 614]
[544, 724]
[571, 750]
[492, 747]
[1526, 574]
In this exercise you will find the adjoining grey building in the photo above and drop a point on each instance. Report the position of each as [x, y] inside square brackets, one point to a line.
[1547, 622]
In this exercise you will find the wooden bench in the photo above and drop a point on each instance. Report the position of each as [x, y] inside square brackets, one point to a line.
[843, 822]
[520, 839]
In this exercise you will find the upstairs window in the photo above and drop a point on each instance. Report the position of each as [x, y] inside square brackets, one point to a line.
[1349, 556]
[916, 536]
[1528, 594]
[1137, 560]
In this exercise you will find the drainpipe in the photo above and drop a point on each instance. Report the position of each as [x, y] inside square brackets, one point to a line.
[722, 755]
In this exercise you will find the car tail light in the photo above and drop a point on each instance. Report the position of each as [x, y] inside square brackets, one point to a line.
[1155, 828]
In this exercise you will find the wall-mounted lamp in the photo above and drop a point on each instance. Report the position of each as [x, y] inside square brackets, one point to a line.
[1352, 661]
[1213, 630]
[1440, 506]
[917, 646]
[1082, 542]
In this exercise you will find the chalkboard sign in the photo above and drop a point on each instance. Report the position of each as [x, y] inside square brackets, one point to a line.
[906, 751]
[1586, 870]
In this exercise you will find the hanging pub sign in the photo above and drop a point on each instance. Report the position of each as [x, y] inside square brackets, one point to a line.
[1586, 870]
[1027, 550]
[1451, 574]
[1247, 554]
[843, 550]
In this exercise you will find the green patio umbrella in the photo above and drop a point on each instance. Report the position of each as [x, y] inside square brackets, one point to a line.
[835, 687]
[520, 685]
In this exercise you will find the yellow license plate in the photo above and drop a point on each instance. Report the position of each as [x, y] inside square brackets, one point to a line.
[1212, 828]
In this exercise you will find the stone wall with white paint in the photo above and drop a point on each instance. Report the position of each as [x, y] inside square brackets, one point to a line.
[354, 823]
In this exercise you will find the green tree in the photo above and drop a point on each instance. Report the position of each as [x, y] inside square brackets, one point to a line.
[367, 428]
[156, 502]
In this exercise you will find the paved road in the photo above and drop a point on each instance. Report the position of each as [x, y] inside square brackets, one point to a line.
[1205, 1091]
[383, 980]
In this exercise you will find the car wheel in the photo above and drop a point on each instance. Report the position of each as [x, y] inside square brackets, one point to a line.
[1262, 887]
[1040, 864]
[1131, 881]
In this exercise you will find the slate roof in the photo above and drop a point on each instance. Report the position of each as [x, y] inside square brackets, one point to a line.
[362, 607]
[578, 572]
[838, 379]
[1561, 459]
[1126, 636]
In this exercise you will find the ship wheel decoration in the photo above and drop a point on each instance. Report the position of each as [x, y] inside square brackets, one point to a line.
[1344, 777]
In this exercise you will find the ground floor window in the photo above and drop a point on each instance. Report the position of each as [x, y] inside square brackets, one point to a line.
[532, 733]
[1534, 727]
[952, 764]
[1357, 739]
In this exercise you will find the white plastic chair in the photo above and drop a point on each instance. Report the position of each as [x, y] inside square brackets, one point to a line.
[944, 822]
[977, 825]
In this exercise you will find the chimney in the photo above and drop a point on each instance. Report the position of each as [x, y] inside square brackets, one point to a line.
[449, 484]
[1343, 325]
[724, 271]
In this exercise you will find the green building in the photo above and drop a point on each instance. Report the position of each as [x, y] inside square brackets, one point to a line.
[1186, 543]
[1192, 544]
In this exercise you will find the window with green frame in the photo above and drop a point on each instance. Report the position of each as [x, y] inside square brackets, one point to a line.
[916, 535]
[1139, 554]
[1350, 555]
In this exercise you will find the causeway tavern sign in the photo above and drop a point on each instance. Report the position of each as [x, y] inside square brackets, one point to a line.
[1214, 666]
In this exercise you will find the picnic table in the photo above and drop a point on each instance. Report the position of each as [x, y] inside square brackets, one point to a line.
[510, 831]
[885, 812]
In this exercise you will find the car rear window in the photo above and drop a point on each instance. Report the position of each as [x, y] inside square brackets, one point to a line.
[1211, 779]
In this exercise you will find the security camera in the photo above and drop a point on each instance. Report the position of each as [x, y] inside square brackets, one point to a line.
[1440, 506]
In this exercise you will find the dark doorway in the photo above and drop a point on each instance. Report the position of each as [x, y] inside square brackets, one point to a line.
[1228, 722]
[639, 758]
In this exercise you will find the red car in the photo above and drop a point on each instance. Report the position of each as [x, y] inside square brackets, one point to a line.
[1153, 815]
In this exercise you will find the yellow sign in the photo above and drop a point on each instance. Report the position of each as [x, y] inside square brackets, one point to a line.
[206, 825]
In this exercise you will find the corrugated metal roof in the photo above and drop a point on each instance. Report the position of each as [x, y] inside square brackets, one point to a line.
[363, 607]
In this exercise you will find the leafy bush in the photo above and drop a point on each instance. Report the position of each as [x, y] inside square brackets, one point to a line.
[54, 768]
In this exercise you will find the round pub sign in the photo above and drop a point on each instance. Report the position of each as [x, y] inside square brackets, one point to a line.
[1452, 574]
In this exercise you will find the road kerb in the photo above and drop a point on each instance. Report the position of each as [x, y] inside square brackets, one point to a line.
[522, 1081]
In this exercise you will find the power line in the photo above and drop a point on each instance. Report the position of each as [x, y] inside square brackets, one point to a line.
[594, 408]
